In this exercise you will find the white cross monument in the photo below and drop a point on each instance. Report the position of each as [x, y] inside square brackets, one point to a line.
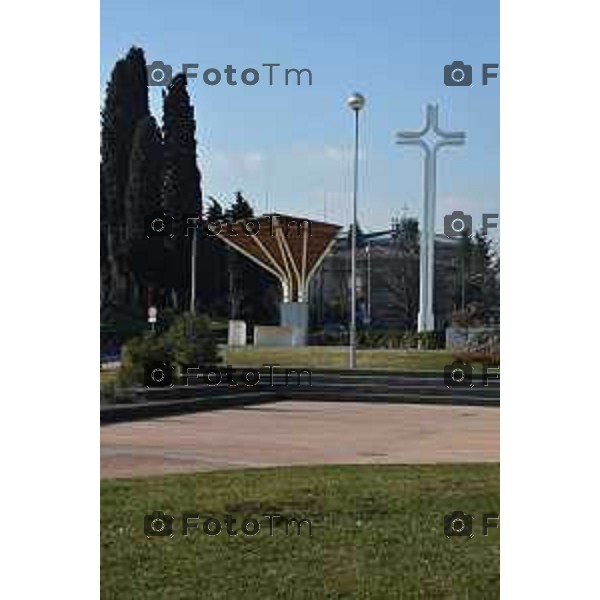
[431, 138]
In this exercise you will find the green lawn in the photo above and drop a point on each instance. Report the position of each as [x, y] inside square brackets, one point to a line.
[337, 357]
[333, 357]
[377, 533]
[108, 375]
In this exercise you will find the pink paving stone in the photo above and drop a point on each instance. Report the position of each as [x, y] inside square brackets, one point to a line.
[301, 433]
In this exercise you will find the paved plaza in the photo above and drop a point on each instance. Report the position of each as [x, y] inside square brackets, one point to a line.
[301, 433]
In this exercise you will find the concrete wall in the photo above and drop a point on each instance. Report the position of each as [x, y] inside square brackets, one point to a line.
[270, 335]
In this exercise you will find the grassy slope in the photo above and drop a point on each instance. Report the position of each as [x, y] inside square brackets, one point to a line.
[329, 357]
[377, 533]
[337, 357]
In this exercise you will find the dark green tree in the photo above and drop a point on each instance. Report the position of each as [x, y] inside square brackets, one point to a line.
[215, 211]
[238, 267]
[240, 209]
[181, 192]
[181, 185]
[484, 283]
[402, 279]
[252, 292]
[463, 253]
[146, 258]
[407, 234]
[145, 176]
[477, 296]
[125, 104]
[105, 289]
[359, 236]
[213, 266]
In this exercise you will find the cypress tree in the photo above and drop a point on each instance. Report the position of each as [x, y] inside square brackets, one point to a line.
[240, 209]
[213, 266]
[145, 176]
[181, 191]
[181, 188]
[125, 104]
[145, 257]
[238, 266]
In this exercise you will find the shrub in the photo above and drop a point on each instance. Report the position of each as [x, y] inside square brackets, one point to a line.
[191, 341]
[139, 352]
[188, 341]
[108, 393]
[487, 342]
[119, 324]
[409, 339]
[397, 339]
[431, 340]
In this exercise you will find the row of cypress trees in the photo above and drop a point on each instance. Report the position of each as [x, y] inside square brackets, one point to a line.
[146, 167]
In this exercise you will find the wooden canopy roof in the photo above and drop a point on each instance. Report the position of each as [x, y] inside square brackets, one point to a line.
[291, 248]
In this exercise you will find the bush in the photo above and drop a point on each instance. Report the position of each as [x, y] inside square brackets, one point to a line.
[403, 340]
[391, 339]
[379, 338]
[432, 340]
[487, 342]
[108, 393]
[139, 352]
[191, 341]
[119, 324]
[188, 341]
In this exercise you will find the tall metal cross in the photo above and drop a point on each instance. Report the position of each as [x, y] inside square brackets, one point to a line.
[431, 138]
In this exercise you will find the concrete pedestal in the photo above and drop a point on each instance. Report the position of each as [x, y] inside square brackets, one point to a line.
[295, 316]
[236, 334]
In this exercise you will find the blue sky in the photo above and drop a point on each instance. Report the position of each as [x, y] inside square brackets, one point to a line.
[294, 143]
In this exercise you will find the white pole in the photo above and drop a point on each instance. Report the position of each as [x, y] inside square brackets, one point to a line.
[426, 320]
[369, 282]
[352, 357]
[356, 102]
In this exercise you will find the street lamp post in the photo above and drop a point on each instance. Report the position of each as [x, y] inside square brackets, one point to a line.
[369, 283]
[356, 102]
